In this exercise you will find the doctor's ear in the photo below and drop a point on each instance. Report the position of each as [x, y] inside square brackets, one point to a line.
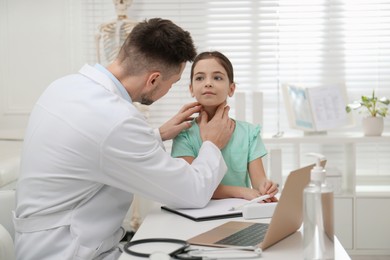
[153, 78]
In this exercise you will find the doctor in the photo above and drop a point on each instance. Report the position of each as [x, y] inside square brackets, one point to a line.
[87, 150]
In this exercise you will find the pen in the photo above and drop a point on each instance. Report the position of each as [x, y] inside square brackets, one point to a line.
[264, 197]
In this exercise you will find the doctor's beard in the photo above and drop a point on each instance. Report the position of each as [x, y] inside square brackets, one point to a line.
[146, 99]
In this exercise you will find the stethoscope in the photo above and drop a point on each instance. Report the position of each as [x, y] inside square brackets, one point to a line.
[185, 252]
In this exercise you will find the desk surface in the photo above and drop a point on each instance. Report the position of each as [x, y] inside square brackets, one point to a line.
[162, 224]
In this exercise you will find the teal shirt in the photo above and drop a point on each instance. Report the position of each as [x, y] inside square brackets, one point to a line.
[244, 146]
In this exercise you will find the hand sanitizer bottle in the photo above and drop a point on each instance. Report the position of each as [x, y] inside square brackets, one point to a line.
[318, 235]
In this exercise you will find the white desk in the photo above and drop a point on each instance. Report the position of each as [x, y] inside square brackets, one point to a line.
[162, 224]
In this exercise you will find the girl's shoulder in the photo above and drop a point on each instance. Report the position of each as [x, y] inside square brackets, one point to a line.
[243, 125]
[192, 130]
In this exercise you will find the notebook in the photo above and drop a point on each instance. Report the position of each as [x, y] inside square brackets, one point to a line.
[215, 209]
[286, 220]
[221, 208]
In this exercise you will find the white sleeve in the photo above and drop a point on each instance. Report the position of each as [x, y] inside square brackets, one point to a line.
[132, 159]
[158, 137]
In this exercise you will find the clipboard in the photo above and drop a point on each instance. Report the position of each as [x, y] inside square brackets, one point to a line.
[215, 209]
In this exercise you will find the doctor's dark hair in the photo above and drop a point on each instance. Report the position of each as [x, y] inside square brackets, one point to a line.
[156, 44]
[220, 58]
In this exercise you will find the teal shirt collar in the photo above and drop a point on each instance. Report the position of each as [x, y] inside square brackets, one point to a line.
[118, 85]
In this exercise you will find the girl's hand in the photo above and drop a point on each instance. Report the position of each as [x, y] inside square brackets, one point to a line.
[269, 187]
[249, 194]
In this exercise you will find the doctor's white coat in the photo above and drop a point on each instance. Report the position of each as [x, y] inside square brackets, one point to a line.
[86, 152]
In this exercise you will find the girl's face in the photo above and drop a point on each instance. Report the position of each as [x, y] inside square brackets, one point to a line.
[210, 83]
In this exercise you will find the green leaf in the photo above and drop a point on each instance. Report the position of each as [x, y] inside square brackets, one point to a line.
[384, 101]
[373, 105]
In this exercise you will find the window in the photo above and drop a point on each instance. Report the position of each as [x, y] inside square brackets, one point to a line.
[270, 42]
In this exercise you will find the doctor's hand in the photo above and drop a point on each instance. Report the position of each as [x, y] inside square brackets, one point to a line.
[219, 129]
[179, 122]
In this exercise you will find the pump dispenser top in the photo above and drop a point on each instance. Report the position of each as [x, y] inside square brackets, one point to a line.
[318, 173]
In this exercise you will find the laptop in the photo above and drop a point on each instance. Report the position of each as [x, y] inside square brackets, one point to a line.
[286, 220]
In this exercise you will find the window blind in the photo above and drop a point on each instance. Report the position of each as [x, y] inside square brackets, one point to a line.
[270, 42]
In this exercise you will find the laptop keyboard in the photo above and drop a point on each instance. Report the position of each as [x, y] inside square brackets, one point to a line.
[250, 236]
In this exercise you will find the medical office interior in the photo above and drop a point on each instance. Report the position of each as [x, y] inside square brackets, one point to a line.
[297, 65]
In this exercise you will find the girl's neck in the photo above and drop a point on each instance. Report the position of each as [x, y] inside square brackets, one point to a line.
[210, 111]
[210, 114]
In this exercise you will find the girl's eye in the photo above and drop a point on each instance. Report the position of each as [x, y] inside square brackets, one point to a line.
[198, 78]
[218, 78]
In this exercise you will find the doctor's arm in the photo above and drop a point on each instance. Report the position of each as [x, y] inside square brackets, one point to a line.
[132, 160]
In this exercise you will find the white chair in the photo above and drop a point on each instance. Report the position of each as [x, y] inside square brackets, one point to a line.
[7, 205]
[6, 245]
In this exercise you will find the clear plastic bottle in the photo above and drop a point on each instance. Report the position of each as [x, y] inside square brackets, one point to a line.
[318, 226]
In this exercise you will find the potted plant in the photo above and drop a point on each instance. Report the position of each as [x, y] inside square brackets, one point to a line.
[375, 108]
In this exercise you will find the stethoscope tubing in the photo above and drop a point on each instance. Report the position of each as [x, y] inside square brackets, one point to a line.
[183, 252]
[183, 245]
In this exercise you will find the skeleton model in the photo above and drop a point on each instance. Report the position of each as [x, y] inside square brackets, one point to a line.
[111, 37]
[112, 34]
[108, 43]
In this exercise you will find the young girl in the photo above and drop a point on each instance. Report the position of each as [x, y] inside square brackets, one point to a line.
[212, 82]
